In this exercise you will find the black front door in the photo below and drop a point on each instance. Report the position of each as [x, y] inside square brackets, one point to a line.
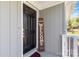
[29, 29]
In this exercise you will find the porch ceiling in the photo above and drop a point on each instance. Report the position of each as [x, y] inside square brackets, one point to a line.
[44, 4]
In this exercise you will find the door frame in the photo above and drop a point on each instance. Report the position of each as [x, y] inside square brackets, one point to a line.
[37, 16]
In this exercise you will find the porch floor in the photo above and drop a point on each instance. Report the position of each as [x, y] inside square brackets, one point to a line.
[47, 54]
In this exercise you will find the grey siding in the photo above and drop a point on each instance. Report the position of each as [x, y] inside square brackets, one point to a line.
[54, 18]
[10, 29]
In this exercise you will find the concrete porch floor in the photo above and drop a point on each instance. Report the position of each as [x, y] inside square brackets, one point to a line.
[48, 54]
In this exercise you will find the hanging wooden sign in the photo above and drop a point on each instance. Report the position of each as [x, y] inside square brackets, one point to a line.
[41, 46]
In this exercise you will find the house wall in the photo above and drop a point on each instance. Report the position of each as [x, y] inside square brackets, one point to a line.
[54, 18]
[10, 29]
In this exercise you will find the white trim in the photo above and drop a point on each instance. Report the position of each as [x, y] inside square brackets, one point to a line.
[22, 29]
[65, 29]
[65, 19]
[37, 11]
[30, 53]
[37, 29]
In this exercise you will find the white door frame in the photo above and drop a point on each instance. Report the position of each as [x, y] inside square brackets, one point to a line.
[37, 16]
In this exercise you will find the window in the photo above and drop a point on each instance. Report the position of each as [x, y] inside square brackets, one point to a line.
[29, 28]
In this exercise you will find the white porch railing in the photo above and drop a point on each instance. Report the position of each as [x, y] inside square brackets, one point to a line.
[70, 45]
